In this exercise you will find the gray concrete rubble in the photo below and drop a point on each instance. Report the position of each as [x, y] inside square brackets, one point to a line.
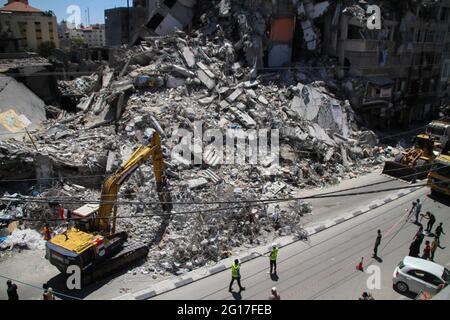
[166, 85]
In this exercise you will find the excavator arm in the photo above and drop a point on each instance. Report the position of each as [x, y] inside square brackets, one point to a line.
[112, 184]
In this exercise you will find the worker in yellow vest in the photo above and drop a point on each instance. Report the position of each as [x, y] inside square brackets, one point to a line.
[273, 259]
[236, 275]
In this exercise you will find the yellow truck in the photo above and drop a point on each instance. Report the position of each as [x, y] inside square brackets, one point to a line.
[439, 175]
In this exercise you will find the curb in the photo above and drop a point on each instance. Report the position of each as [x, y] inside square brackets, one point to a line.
[204, 272]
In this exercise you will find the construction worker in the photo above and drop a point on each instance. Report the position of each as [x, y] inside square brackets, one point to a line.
[47, 232]
[273, 259]
[274, 295]
[236, 275]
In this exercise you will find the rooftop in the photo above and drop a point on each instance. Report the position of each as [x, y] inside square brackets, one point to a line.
[17, 6]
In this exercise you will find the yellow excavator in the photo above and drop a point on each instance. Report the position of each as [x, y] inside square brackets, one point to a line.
[93, 244]
[414, 163]
[439, 176]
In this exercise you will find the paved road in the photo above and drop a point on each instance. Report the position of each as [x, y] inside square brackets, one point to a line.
[325, 267]
[30, 267]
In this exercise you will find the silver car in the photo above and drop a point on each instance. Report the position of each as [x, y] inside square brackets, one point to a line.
[417, 275]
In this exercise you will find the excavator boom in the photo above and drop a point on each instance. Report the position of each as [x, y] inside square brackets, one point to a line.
[112, 184]
[100, 251]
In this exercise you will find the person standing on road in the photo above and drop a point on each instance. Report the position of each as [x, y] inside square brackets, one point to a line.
[273, 259]
[377, 243]
[431, 220]
[434, 246]
[236, 275]
[439, 231]
[274, 295]
[12, 291]
[414, 249]
[426, 250]
[417, 208]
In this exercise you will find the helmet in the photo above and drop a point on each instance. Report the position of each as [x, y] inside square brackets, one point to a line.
[274, 289]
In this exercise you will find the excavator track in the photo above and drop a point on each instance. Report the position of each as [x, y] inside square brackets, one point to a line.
[131, 252]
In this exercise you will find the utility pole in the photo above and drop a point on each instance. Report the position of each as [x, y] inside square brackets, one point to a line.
[128, 21]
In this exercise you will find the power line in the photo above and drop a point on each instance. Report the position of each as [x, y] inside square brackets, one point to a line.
[36, 287]
[255, 203]
[68, 200]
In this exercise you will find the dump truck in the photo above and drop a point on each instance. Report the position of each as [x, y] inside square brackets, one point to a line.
[92, 243]
[439, 176]
[414, 163]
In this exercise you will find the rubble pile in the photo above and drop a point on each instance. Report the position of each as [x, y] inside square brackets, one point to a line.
[210, 77]
[78, 87]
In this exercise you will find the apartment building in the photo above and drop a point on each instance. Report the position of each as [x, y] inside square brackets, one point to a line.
[23, 27]
[398, 65]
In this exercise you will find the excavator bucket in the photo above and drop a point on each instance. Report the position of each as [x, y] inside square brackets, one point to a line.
[405, 172]
[399, 171]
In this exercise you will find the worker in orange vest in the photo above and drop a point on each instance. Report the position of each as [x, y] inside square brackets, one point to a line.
[47, 232]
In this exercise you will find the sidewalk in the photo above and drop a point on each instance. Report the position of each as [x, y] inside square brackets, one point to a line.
[322, 220]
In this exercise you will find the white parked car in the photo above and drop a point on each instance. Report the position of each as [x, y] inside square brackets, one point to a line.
[417, 275]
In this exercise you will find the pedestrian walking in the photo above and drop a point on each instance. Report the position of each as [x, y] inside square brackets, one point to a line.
[274, 295]
[434, 246]
[439, 231]
[426, 250]
[273, 259]
[236, 275]
[417, 208]
[431, 220]
[12, 291]
[377, 243]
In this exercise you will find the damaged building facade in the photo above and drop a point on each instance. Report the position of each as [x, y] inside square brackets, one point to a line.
[392, 75]
[286, 66]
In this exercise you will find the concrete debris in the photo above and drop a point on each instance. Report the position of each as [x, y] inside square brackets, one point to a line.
[166, 85]
[28, 239]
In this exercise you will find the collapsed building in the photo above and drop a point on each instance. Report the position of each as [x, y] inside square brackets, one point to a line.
[215, 77]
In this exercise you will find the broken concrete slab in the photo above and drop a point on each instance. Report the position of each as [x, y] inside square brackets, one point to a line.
[206, 80]
[188, 56]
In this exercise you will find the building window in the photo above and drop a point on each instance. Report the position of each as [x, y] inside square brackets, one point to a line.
[23, 34]
[429, 36]
[355, 32]
[444, 13]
